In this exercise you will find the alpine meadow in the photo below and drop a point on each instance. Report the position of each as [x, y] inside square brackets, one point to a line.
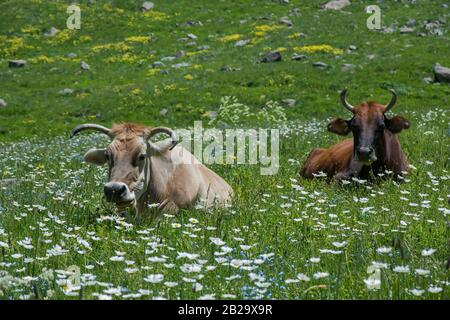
[276, 65]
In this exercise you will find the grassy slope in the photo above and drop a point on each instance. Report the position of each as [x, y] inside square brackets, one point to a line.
[36, 108]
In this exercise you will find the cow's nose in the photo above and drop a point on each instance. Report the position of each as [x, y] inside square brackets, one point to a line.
[364, 153]
[114, 191]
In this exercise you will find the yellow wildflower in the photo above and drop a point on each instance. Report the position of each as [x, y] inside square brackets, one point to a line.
[231, 37]
[319, 48]
[189, 77]
[140, 39]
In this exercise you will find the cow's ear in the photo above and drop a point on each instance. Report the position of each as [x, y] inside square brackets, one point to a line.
[96, 156]
[338, 126]
[396, 124]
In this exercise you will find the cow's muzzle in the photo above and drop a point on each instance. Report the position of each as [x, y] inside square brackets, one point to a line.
[118, 193]
[366, 154]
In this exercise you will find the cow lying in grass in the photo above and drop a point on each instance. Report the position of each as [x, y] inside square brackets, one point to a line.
[143, 173]
[374, 148]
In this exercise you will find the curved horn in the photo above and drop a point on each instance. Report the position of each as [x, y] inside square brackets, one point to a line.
[89, 126]
[344, 101]
[391, 103]
[167, 131]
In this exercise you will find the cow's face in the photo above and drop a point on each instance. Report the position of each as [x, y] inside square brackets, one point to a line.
[127, 156]
[368, 126]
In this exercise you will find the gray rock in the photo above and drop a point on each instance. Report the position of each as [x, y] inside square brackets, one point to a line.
[52, 32]
[227, 68]
[387, 29]
[157, 64]
[241, 43]
[243, 21]
[286, 21]
[147, 5]
[288, 102]
[16, 63]
[441, 74]
[163, 112]
[406, 29]
[85, 66]
[165, 72]
[352, 47]
[320, 64]
[273, 56]
[348, 67]
[66, 92]
[184, 39]
[180, 65]
[3, 103]
[298, 57]
[192, 36]
[166, 59]
[71, 55]
[180, 54]
[191, 44]
[203, 47]
[411, 23]
[336, 5]
[434, 28]
[428, 80]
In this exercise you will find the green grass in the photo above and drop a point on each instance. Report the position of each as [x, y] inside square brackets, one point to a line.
[56, 199]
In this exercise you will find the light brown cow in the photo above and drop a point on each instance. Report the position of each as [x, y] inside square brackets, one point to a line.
[374, 148]
[143, 173]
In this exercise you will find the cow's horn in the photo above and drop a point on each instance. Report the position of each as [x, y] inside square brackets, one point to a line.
[344, 101]
[89, 126]
[167, 131]
[391, 103]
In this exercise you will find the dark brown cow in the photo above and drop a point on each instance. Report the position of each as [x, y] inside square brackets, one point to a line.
[374, 147]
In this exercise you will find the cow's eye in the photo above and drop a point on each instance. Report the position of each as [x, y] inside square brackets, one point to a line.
[142, 157]
[107, 156]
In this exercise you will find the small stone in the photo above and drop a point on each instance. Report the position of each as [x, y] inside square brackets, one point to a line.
[184, 39]
[203, 47]
[163, 112]
[441, 74]
[147, 5]
[336, 5]
[180, 65]
[273, 56]
[352, 47]
[288, 102]
[85, 66]
[286, 21]
[166, 59]
[66, 92]
[16, 63]
[192, 36]
[320, 64]
[157, 64]
[406, 29]
[428, 80]
[3, 103]
[348, 67]
[180, 54]
[226, 68]
[165, 72]
[241, 43]
[71, 55]
[52, 32]
[298, 57]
